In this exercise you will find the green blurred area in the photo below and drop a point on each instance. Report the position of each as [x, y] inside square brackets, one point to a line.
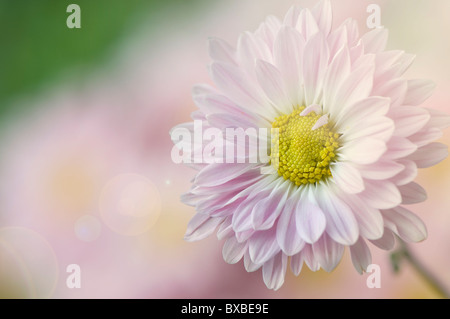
[37, 47]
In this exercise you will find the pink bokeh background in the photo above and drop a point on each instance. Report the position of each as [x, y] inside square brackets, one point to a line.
[87, 178]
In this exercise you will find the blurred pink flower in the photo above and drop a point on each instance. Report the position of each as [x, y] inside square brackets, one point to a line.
[352, 136]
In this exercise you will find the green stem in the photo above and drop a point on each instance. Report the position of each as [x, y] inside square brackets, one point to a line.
[404, 253]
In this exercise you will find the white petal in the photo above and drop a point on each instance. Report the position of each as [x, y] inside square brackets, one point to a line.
[217, 174]
[356, 87]
[291, 16]
[200, 227]
[328, 253]
[309, 259]
[307, 25]
[409, 119]
[288, 55]
[272, 83]
[274, 271]
[347, 177]
[249, 265]
[225, 229]
[323, 15]
[310, 221]
[370, 220]
[363, 151]
[361, 257]
[378, 127]
[233, 251]
[399, 147]
[251, 48]
[371, 106]
[320, 122]
[386, 242]
[341, 223]
[405, 224]
[412, 193]
[315, 63]
[429, 155]
[237, 86]
[288, 237]
[297, 263]
[220, 50]
[425, 136]
[375, 41]
[407, 175]
[395, 90]
[267, 210]
[438, 119]
[263, 246]
[418, 91]
[337, 72]
[383, 169]
[381, 195]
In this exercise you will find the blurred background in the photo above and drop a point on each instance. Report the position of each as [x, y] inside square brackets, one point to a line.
[86, 176]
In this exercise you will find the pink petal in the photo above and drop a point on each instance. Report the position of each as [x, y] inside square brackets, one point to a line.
[381, 195]
[409, 119]
[307, 25]
[375, 41]
[233, 251]
[378, 127]
[310, 221]
[200, 227]
[341, 223]
[220, 50]
[249, 265]
[429, 155]
[288, 237]
[356, 87]
[263, 246]
[381, 170]
[386, 242]
[371, 106]
[438, 119]
[217, 174]
[291, 16]
[274, 271]
[288, 55]
[412, 193]
[267, 210]
[297, 263]
[328, 253]
[315, 63]
[323, 15]
[407, 175]
[251, 48]
[361, 257]
[347, 177]
[363, 151]
[225, 229]
[425, 136]
[336, 73]
[395, 90]
[399, 147]
[370, 220]
[237, 86]
[309, 259]
[418, 91]
[405, 224]
[272, 83]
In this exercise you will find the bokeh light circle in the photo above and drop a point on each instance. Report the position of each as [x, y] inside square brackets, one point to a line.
[29, 267]
[130, 204]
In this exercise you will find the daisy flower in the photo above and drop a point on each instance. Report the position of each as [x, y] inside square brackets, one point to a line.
[351, 137]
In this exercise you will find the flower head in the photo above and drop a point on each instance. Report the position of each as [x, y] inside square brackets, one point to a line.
[350, 137]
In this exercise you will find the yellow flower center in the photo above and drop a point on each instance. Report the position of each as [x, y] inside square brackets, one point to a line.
[300, 153]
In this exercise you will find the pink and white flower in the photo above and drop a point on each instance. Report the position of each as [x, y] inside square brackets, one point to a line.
[352, 139]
